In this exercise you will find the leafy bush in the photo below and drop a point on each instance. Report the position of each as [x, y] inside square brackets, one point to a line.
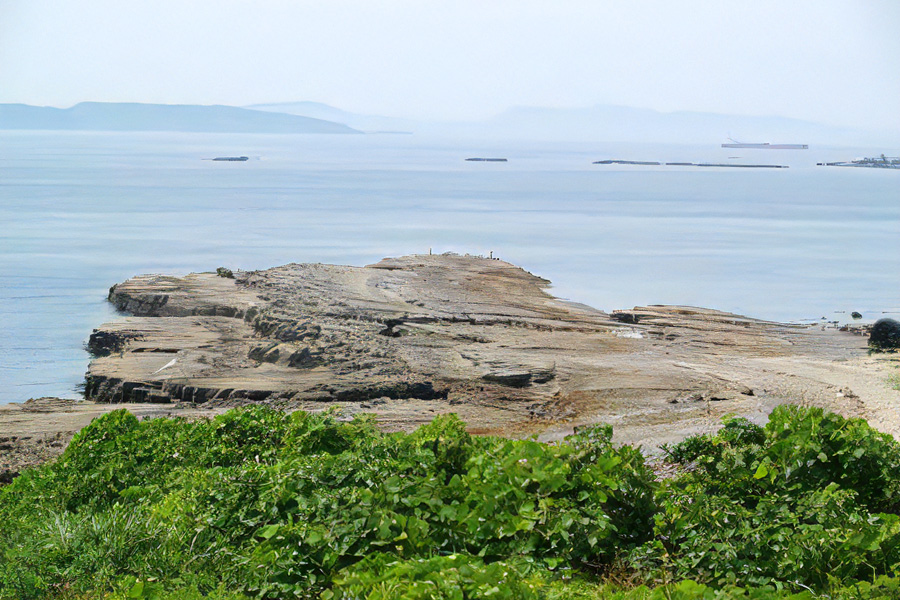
[385, 577]
[810, 498]
[260, 503]
[735, 433]
[811, 448]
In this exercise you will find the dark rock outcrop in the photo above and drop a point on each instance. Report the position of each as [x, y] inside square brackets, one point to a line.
[104, 343]
[885, 335]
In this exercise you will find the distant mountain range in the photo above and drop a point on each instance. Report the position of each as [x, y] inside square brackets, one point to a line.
[604, 123]
[317, 110]
[601, 123]
[112, 116]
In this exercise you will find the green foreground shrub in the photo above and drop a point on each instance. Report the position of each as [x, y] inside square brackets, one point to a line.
[258, 503]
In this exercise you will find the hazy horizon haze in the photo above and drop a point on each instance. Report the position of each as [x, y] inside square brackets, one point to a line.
[828, 62]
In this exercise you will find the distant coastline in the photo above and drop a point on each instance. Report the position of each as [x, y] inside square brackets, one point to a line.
[603, 123]
[112, 116]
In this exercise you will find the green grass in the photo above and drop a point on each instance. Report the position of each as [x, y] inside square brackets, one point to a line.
[257, 503]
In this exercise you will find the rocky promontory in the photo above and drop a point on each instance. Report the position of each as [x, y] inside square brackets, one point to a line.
[411, 337]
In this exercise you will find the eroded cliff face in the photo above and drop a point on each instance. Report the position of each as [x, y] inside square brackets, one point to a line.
[411, 337]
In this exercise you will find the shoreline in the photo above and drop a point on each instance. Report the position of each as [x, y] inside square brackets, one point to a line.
[37, 430]
[413, 337]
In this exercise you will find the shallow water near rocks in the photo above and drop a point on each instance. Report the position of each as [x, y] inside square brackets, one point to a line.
[82, 211]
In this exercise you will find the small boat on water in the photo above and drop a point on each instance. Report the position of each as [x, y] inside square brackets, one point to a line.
[231, 158]
[479, 159]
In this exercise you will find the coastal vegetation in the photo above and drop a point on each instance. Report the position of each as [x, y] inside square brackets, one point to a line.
[257, 503]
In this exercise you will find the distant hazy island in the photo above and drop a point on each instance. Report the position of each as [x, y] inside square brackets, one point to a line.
[111, 116]
[880, 162]
[606, 123]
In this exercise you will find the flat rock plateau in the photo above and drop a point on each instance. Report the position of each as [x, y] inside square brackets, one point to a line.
[409, 338]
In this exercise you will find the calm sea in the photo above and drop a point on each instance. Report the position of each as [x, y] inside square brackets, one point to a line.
[82, 211]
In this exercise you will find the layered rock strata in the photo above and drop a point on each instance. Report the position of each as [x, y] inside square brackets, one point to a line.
[411, 337]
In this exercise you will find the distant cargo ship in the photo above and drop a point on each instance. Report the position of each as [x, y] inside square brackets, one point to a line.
[766, 146]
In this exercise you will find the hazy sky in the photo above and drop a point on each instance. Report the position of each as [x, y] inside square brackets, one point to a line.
[836, 61]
